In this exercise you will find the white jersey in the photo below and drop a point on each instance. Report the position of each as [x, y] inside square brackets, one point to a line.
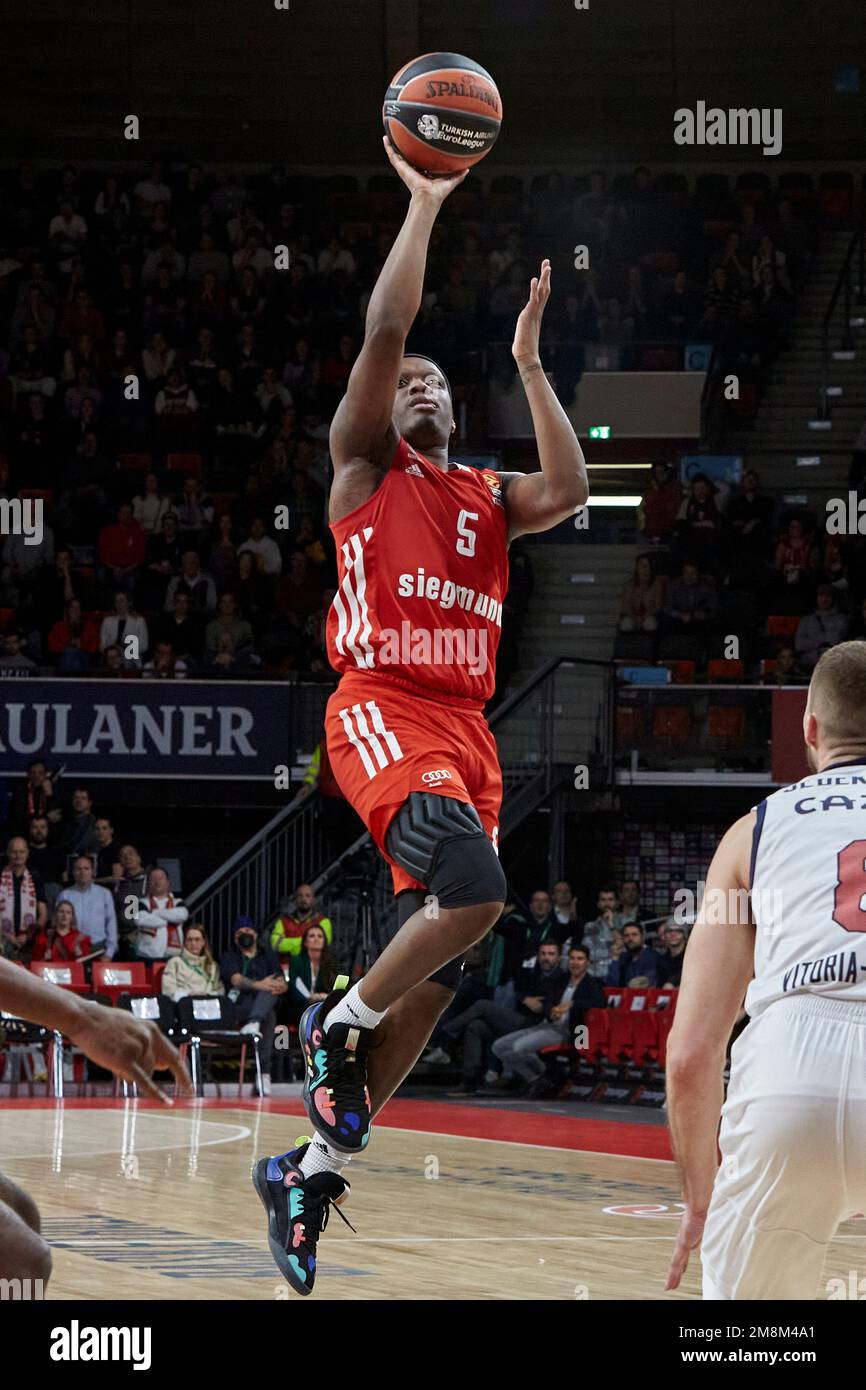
[808, 882]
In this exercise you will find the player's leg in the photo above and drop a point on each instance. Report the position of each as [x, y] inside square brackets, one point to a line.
[439, 843]
[782, 1187]
[23, 1252]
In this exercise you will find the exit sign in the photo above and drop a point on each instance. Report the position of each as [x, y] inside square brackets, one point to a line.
[599, 431]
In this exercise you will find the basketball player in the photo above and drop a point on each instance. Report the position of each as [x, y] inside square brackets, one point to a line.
[110, 1037]
[793, 1131]
[413, 630]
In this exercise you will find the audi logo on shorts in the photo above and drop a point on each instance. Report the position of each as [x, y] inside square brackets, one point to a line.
[431, 777]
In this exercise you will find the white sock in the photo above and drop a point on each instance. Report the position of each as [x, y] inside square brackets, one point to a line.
[321, 1158]
[352, 1009]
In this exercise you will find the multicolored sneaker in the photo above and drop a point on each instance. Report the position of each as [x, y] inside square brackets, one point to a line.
[298, 1210]
[335, 1082]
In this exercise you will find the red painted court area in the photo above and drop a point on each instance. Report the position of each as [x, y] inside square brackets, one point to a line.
[575, 1132]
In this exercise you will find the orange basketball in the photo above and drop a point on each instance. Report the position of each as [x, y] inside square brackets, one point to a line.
[443, 112]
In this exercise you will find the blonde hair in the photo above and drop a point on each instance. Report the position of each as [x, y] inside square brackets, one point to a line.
[837, 694]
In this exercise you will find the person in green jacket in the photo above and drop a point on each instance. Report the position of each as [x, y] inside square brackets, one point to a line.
[312, 971]
[289, 928]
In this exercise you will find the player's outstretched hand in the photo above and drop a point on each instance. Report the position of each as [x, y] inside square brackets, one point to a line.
[130, 1047]
[436, 186]
[525, 347]
[689, 1238]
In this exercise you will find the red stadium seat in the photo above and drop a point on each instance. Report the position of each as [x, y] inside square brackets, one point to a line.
[645, 1036]
[682, 672]
[156, 975]
[671, 723]
[184, 463]
[721, 669]
[7, 617]
[135, 463]
[598, 1032]
[113, 978]
[637, 999]
[726, 723]
[629, 724]
[620, 1036]
[663, 999]
[66, 974]
[664, 1021]
[781, 625]
[615, 996]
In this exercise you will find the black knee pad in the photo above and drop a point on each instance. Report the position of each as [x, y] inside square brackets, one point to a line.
[442, 842]
[408, 903]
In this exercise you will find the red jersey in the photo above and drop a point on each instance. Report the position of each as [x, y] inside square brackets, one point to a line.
[423, 572]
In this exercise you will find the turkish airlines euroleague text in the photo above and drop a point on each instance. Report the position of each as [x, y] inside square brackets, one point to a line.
[423, 572]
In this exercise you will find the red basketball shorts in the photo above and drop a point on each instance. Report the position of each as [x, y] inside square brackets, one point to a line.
[385, 742]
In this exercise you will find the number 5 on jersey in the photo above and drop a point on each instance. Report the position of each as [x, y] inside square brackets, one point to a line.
[466, 535]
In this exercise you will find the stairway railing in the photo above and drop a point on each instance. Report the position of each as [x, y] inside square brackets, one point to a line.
[850, 292]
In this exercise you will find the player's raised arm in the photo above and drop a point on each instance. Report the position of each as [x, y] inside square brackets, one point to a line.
[718, 966]
[362, 428]
[537, 501]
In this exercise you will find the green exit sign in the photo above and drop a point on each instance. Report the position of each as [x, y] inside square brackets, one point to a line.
[599, 431]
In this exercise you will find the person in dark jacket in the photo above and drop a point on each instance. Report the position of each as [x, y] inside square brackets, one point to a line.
[487, 1020]
[670, 967]
[519, 1052]
[253, 979]
[638, 964]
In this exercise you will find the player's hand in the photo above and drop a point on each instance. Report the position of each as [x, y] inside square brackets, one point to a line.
[436, 187]
[689, 1238]
[130, 1047]
[525, 347]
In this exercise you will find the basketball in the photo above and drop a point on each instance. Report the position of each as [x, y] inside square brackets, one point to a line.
[442, 112]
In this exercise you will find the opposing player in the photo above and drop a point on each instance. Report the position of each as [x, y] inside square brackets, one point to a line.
[793, 1131]
[423, 571]
[110, 1037]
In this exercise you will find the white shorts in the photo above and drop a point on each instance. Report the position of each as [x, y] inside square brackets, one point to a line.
[793, 1145]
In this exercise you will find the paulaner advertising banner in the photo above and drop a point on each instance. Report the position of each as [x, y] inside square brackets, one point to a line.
[144, 728]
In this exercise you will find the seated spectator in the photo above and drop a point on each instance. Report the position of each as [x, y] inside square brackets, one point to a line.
[193, 972]
[14, 661]
[194, 514]
[78, 835]
[192, 581]
[472, 987]
[150, 507]
[74, 639]
[750, 515]
[519, 1051]
[163, 561]
[122, 549]
[183, 630]
[165, 664]
[107, 853]
[598, 934]
[44, 858]
[223, 559]
[486, 1020]
[821, 629]
[61, 940]
[312, 972]
[35, 798]
[629, 902]
[253, 590]
[642, 599]
[638, 964]
[94, 907]
[298, 594]
[699, 524]
[795, 561]
[263, 547]
[288, 931]
[23, 909]
[158, 920]
[660, 506]
[785, 668]
[565, 905]
[121, 625]
[254, 981]
[228, 625]
[692, 601]
[670, 960]
[721, 303]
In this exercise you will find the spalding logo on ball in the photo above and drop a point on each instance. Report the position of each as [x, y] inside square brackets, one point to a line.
[442, 112]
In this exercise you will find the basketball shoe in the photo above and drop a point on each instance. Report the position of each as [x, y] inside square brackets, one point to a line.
[335, 1081]
[298, 1210]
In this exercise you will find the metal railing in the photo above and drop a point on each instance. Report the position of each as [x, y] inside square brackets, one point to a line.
[563, 715]
[849, 292]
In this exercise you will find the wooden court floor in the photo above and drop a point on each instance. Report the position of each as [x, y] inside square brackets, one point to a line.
[143, 1203]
